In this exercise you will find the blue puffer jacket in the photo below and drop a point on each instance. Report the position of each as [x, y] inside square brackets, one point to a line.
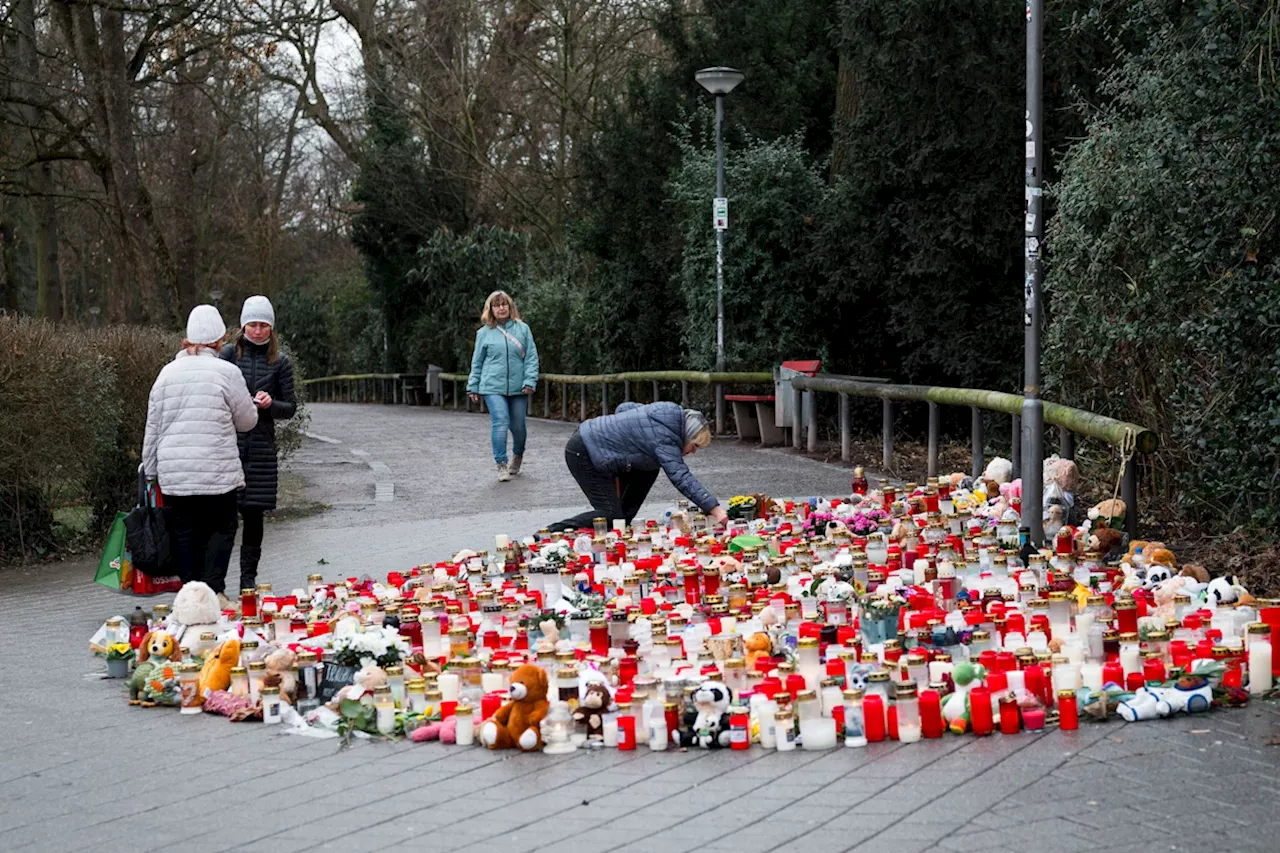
[645, 438]
[498, 366]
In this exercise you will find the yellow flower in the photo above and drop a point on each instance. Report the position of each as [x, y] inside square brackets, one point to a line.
[120, 648]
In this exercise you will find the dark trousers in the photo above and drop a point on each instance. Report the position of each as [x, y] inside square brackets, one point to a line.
[611, 496]
[250, 545]
[204, 532]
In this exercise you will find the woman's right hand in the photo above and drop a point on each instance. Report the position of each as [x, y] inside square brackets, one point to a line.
[475, 398]
[719, 515]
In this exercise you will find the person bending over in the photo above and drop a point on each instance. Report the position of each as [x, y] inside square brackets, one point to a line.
[615, 459]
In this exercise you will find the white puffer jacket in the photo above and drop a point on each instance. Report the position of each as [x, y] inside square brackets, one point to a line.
[197, 405]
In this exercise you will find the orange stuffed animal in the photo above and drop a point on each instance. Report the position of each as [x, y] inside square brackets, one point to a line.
[518, 724]
[758, 646]
[216, 672]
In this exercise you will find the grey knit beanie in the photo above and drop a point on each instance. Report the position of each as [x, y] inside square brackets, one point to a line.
[694, 423]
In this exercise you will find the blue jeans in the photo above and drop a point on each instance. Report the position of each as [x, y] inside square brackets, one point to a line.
[507, 413]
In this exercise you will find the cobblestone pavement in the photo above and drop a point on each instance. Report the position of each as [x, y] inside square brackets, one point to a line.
[80, 770]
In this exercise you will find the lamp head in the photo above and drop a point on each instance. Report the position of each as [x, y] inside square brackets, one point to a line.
[719, 80]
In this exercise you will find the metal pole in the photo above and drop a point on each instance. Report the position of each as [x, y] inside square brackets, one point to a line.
[1033, 406]
[1129, 494]
[935, 429]
[719, 236]
[546, 399]
[1068, 439]
[719, 409]
[626, 390]
[1016, 449]
[797, 416]
[811, 419]
[656, 397]
[886, 427]
[975, 468]
[846, 439]
[604, 398]
[564, 401]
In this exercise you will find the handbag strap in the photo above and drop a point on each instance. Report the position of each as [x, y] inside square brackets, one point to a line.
[513, 340]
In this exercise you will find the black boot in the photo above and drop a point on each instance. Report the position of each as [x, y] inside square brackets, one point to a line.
[249, 557]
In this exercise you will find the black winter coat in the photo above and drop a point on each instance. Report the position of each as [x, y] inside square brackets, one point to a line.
[258, 445]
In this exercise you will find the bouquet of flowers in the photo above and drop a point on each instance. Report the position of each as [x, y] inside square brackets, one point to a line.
[555, 555]
[381, 645]
[816, 523]
[866, 521]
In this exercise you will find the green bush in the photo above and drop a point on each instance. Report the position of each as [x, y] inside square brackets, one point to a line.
[75, 404]
[1165, 284]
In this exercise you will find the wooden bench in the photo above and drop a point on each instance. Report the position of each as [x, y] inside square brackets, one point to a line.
[753, 415]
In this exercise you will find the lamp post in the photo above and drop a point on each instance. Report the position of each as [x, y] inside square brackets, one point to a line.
[719, 81]
[216, 295]
[1033, 276]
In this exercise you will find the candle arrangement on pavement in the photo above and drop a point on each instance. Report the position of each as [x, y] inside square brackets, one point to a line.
[901, 614]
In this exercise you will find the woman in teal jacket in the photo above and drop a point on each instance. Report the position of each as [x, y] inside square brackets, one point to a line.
[504, 370]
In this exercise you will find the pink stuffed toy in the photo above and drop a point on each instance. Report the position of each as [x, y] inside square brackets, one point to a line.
[445, 731]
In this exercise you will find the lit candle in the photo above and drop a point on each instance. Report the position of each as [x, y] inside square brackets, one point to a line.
[449, 684]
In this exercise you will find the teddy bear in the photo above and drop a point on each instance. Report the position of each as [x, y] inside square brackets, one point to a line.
[155, 654]
[999, 470]
[707, 723]
[595, 700]
[1106, 541]
[759, 645]
[1109, 512]
[367, 678]
[195, 612]
[518, 723]
[279, 673]
[1226, 590]
[215, 674]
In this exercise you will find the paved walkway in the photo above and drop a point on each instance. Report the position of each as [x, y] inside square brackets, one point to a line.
[80, 770]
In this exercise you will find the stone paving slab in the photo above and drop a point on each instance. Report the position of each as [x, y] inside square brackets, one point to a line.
[80, 770]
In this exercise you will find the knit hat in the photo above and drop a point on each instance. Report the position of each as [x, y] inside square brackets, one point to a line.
[205, 326]
[694, 423]
[257, 309]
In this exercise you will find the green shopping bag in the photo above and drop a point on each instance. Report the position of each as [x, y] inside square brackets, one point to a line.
[114, 569]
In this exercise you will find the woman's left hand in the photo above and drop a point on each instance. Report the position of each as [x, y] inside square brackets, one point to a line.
[526, 390]
[263, 400]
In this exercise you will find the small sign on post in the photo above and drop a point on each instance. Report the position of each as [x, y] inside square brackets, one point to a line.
[720, 214]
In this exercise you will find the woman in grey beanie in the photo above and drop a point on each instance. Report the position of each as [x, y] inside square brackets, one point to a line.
[269, 377]
[616, 458]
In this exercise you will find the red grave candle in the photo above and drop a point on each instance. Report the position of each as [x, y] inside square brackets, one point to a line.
[874, 717]
[1010, 721]
[1068, 711]
[931, 722]
[626, 732]
[980, 711]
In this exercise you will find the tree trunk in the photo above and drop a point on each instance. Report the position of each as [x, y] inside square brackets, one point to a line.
[49, 292]
[848, 104]
[99, 48]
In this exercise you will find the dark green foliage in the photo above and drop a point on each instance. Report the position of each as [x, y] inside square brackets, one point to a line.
[455, 273]
[331, 325]
[1164, 285]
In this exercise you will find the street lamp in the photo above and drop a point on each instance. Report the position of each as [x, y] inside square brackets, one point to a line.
[216, 295]
[1033, 277]
[719, 81]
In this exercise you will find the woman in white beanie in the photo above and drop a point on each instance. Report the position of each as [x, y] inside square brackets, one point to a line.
[269, 377]
[197, 405]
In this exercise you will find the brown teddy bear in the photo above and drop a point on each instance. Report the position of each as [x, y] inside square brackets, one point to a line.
[590, 713]
[518, 724]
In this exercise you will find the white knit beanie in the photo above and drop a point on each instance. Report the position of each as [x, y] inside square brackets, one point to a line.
[257, 309]
[205, 326]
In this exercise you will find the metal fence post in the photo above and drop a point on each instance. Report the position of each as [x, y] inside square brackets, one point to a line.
[886, 429]
[1067, 440]
[797, 416]
[811, 416]
[975, 469]
[719, 409]
[846, 439]
[564, 401]
[604, 398]
[1017, 446]
[626, 390]
[1129, 494]
[655, 391]
[935, 429]
[684, 393]
[582, 403]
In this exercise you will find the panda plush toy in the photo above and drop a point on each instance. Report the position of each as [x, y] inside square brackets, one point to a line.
[707, 723]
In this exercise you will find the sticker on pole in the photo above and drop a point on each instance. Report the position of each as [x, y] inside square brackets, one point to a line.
[720, 214]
